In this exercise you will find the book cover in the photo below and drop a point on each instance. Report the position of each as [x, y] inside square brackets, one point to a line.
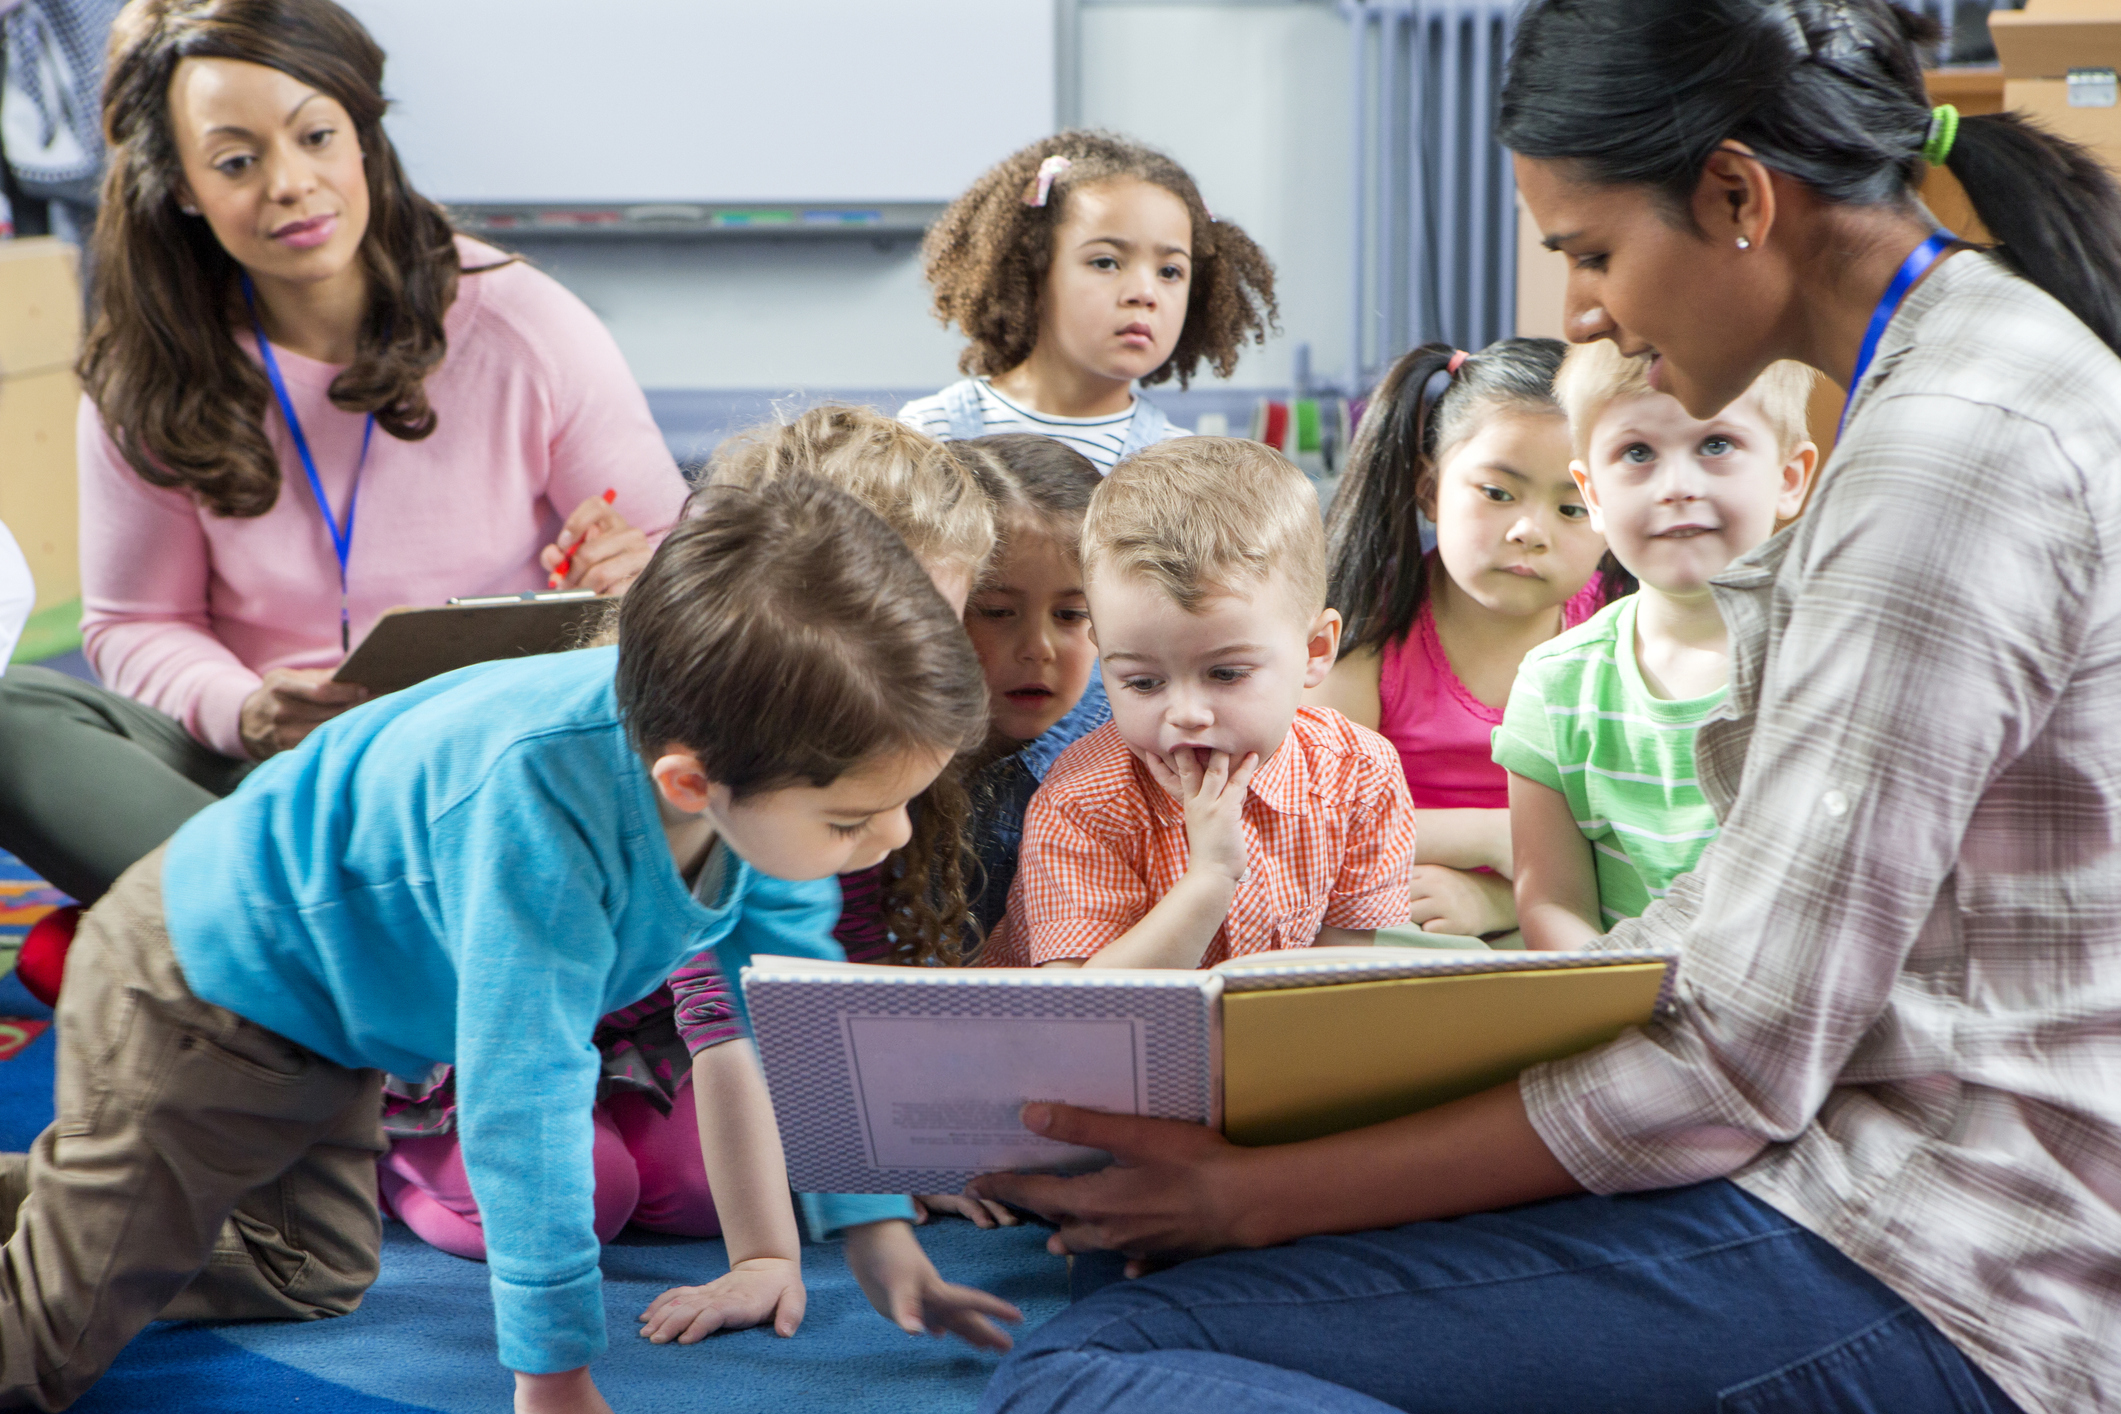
[909, 1079]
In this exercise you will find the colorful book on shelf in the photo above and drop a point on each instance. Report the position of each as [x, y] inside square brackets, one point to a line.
[909, 1079]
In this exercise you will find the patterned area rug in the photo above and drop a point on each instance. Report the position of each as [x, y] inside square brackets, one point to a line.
[24, 898]
[422, 1341]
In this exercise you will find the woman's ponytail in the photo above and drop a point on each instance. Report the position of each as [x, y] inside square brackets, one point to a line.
[2053, 208]
[1426, 404]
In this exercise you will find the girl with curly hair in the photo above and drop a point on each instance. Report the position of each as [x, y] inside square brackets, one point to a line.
[1078, 267]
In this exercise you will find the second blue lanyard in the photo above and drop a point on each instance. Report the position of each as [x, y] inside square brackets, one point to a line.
[341, 536]
[1917, 264]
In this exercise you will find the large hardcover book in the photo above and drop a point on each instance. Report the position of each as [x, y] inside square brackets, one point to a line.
[909, 1079]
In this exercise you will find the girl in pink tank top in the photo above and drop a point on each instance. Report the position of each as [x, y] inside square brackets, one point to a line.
[1441, 729]
[1477, 446]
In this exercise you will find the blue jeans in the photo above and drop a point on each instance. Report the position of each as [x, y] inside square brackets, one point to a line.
[1697, 1298]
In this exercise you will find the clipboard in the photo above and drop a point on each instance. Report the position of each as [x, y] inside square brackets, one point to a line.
[408, 646]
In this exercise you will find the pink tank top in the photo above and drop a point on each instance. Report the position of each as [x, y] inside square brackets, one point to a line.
[1443, 731]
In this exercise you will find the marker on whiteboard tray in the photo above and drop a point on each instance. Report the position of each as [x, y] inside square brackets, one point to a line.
[559, 571]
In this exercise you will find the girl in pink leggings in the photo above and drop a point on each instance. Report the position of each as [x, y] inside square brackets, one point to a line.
[648, 1166]
[647, 1154]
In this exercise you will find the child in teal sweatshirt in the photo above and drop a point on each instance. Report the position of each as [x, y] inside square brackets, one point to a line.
[473, 871]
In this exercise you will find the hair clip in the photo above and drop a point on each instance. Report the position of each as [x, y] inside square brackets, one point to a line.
[1042, 186]
[1458, 361]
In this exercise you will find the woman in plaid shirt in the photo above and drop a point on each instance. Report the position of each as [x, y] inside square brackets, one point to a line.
[1872, 1157]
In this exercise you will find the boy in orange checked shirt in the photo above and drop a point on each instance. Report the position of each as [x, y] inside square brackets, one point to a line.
[1215, 815]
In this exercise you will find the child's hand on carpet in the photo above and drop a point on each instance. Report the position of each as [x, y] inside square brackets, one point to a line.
[986, 1214]
[757, 1290]
[904, 1286]
[569, 1392]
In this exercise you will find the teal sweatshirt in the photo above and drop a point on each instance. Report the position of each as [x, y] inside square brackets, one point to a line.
[474, 871]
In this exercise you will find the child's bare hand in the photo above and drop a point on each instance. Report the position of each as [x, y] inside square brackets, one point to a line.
[1455, 901]
[906, 1290]
[1213, 795]
[756, 1291]
[986, 1214]
[568, 1392]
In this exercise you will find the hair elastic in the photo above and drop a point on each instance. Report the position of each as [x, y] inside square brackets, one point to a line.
[1043, 184]
[1458, 361]
[1944, 131]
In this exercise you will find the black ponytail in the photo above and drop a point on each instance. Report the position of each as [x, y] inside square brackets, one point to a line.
[1830, 92]
[1373, 532]
[2053, 209]
[1419, 413]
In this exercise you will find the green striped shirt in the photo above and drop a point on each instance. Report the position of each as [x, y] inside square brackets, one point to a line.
[1583, 722]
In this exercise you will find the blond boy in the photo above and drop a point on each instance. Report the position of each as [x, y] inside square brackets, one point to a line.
[1215, 815]
[1599, 733]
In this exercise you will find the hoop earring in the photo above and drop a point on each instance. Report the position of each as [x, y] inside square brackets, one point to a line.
[1744, 244]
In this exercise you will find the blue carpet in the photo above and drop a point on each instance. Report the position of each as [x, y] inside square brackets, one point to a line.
[423, 1339]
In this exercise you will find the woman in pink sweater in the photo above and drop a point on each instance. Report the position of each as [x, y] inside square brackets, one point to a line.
[267, 279]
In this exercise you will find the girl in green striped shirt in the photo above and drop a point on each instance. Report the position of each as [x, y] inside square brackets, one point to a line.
[1598, 737]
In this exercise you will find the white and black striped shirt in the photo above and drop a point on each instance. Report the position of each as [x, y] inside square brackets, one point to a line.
[1101, 439]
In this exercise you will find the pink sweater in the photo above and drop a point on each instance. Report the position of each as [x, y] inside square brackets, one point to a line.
[185, 610]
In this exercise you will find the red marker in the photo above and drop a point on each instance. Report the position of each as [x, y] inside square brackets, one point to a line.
[559, 571]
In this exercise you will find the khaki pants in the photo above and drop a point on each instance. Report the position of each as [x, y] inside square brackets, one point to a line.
[201, 1167]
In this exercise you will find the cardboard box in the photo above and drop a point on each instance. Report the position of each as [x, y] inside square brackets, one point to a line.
[40, 306]
[38, 501]
[2039, 46]
[40, 334]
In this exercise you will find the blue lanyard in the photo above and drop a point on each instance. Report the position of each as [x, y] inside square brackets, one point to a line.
[1918, 262]
[341, 536]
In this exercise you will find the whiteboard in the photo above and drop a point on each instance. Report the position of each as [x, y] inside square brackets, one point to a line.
[509, 101]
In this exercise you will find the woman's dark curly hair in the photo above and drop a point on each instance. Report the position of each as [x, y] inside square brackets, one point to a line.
[184, 404]
[986, 258]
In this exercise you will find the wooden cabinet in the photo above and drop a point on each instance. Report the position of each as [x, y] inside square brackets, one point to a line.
[2059, 59]
[40, 334]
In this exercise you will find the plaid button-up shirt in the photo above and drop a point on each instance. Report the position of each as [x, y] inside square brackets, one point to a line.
[1899, 1013]
[1329, 842]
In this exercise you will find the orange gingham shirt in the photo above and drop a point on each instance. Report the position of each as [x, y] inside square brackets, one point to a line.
[1329, 842]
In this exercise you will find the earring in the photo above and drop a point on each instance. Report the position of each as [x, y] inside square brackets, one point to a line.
[1744, 244]
[189, 210]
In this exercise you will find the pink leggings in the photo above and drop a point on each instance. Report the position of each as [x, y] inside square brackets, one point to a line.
[648, 1172]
